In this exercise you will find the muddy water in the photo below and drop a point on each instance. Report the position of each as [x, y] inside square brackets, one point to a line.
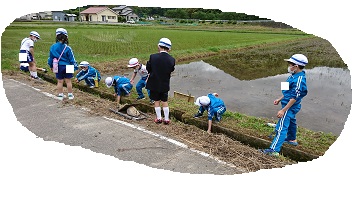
[325, 108]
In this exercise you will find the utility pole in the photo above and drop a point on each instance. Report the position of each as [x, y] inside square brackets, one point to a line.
[79, 14]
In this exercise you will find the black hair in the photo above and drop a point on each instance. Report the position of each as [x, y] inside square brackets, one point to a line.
[164, 47]
[299, 66]
[62, 38]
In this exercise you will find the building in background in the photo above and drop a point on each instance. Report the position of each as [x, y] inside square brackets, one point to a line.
[31, 16]
[45, 15]
[70, 17]
[99, 14]
[126, 13]
[59, 16]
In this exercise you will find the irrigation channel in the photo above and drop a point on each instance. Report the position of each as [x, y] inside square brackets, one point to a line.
[325, 108]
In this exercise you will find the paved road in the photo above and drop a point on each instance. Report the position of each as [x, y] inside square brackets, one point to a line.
[48, 119]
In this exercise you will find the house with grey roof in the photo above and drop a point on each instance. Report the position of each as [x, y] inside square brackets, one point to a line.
[126, 13]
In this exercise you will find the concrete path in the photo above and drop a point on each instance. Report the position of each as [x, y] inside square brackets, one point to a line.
[50, 120]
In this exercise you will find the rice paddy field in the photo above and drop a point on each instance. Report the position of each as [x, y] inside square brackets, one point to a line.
[98, 43]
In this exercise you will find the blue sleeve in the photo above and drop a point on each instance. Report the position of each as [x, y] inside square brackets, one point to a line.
[72, 58]
[50, 58]
[300, 89]
[80, 75]
[209, 113]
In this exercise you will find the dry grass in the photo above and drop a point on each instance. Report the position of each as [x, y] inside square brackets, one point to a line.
[218, 145]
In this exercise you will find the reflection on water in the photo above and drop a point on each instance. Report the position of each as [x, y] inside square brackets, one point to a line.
[325, 108]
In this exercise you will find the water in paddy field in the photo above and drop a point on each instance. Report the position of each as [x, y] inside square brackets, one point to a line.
[325, 108]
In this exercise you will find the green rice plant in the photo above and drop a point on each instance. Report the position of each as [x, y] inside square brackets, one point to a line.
[110, 43]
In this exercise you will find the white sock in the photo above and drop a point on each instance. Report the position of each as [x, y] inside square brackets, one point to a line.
[32, 73]
[158, 112]
[35, 74]
[166, 113]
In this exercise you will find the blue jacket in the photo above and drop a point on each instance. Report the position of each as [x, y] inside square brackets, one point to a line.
[67, 58]
[297, 90]
[122, 85]
[91, 72]
[215, 104]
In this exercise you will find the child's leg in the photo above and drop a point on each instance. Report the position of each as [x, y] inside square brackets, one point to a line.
[90, 81]
[139, 88]
[292, 129]
[33, 70]
[281, 131]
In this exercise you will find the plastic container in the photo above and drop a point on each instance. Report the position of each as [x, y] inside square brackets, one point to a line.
[55, 65]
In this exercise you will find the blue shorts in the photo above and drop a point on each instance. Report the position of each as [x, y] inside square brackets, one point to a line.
[62, 73]
[29, 56]
[124, 89]
[24, 67]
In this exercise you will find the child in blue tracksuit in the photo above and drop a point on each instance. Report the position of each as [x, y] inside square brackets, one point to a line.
[143, 73]
[122, 86]
[89, 74]
[286, 127]
[213, 104]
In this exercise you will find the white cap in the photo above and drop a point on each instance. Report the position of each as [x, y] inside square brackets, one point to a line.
[108, 81]
[34, 33]
[61, 31]
[298, 59]
[84, 64]
[203, 100]
[133, 62]
[165, 42]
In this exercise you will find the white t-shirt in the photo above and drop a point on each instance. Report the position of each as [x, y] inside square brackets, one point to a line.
[142, 71]
[26, 44]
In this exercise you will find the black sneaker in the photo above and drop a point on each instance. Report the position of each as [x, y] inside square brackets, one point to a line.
[197, 115]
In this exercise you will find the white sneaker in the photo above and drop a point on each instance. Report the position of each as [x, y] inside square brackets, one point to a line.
[71, 97]
[60, 97]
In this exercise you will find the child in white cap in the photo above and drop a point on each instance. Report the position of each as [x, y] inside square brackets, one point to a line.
[122, 86]
[160, 66]
[88, 73]
[286, 127]
[63, 54]
[143, 73]
[214, 105]
[26, 54]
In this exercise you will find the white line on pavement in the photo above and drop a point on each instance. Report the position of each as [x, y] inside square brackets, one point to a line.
[180, 144]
